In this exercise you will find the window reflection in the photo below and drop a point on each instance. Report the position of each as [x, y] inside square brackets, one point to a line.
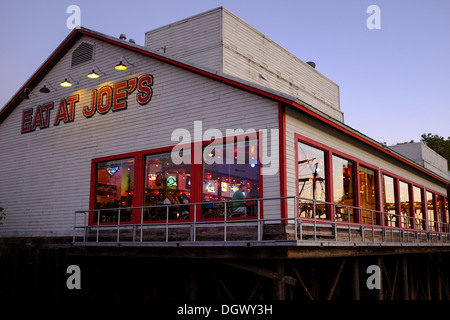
[418, 208]
[231, 172]
[166, 183]
[311, 181]
[430, 211]
[343, 188]
[367, 187]
[405, 205]
[440, 211]
[114, 189]
[389, 201]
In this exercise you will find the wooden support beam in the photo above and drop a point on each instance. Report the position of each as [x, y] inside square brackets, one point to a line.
[300, 280]
[258, 283]
[263, 272]
[224, 287]
[404, 277]
[336, 280]
[355, 279]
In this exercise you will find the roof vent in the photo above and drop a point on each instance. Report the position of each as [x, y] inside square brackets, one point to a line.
[122, 37]
[312, 64]
[83, 53]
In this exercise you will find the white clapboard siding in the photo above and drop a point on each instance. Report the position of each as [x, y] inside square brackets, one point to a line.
[46, 174]
[297, 123]
[196, 39]
[220, 40]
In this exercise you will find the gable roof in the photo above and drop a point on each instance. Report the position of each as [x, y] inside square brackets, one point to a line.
[280, 97]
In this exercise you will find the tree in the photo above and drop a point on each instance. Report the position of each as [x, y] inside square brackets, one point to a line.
[438, 144]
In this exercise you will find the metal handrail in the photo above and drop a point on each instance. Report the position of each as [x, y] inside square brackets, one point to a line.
[299, 223]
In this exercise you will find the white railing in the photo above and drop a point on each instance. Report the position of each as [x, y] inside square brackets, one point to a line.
[308, 221]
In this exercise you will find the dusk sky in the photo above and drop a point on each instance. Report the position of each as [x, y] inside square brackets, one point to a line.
[394, 81]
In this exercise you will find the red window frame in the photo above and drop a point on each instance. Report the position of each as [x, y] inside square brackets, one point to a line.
[139, 173]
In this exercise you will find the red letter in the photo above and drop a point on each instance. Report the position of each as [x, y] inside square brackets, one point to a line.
[90, 112]
[145, 91]
[47, 107]
[38, 120]
[104, 107]
[62, 113]
[72, 101]
[119, 100]
[27, 116]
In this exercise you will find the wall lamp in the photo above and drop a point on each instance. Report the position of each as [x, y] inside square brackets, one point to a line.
[24, 94]
[66, 83]
[94, 74]
[121, 66]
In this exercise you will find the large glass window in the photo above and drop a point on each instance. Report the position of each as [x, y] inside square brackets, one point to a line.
[230, 173]
[389, 201]
[343, 188]
[440, 211]
[418, 208]
[430, 211]
[367, 188]
[114, 188]
[311, 181]
[405, 205]
[167, 187]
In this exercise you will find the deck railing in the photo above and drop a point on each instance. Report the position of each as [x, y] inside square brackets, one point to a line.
[308, 222]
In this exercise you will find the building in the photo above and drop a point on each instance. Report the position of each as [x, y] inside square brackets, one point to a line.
[137, 154]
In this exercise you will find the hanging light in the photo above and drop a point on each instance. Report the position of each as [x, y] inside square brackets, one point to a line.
[65, 83]
[121, 66]
[93, 75]
[44, 89]
[24, 94]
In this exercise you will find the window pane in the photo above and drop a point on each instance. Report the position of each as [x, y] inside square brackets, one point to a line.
[368, 194]
[430, 211]
[231, 172]
[343, 188]
[418, 208]
[114, 189]
[166, 183]
[405, 205]
[389, 201]
[311, 181]
[440, 211]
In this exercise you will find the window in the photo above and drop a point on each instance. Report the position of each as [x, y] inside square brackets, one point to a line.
[230, 173]
[430, 211]
[418, 209]
[343, 188]
[367, 188]
[389, 201]
[114, 188]
[166, 183]
[440, 211]
[405, 205]
[311, 181]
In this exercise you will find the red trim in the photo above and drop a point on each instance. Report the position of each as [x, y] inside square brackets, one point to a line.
[282, 160]
[139, 173]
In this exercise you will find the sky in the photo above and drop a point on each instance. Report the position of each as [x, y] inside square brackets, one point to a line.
[393, 80]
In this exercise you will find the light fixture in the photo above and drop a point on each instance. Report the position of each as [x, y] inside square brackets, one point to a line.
[24, 94]
[120, 66]
[65, 83]
[44, 89]
[93, 75]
